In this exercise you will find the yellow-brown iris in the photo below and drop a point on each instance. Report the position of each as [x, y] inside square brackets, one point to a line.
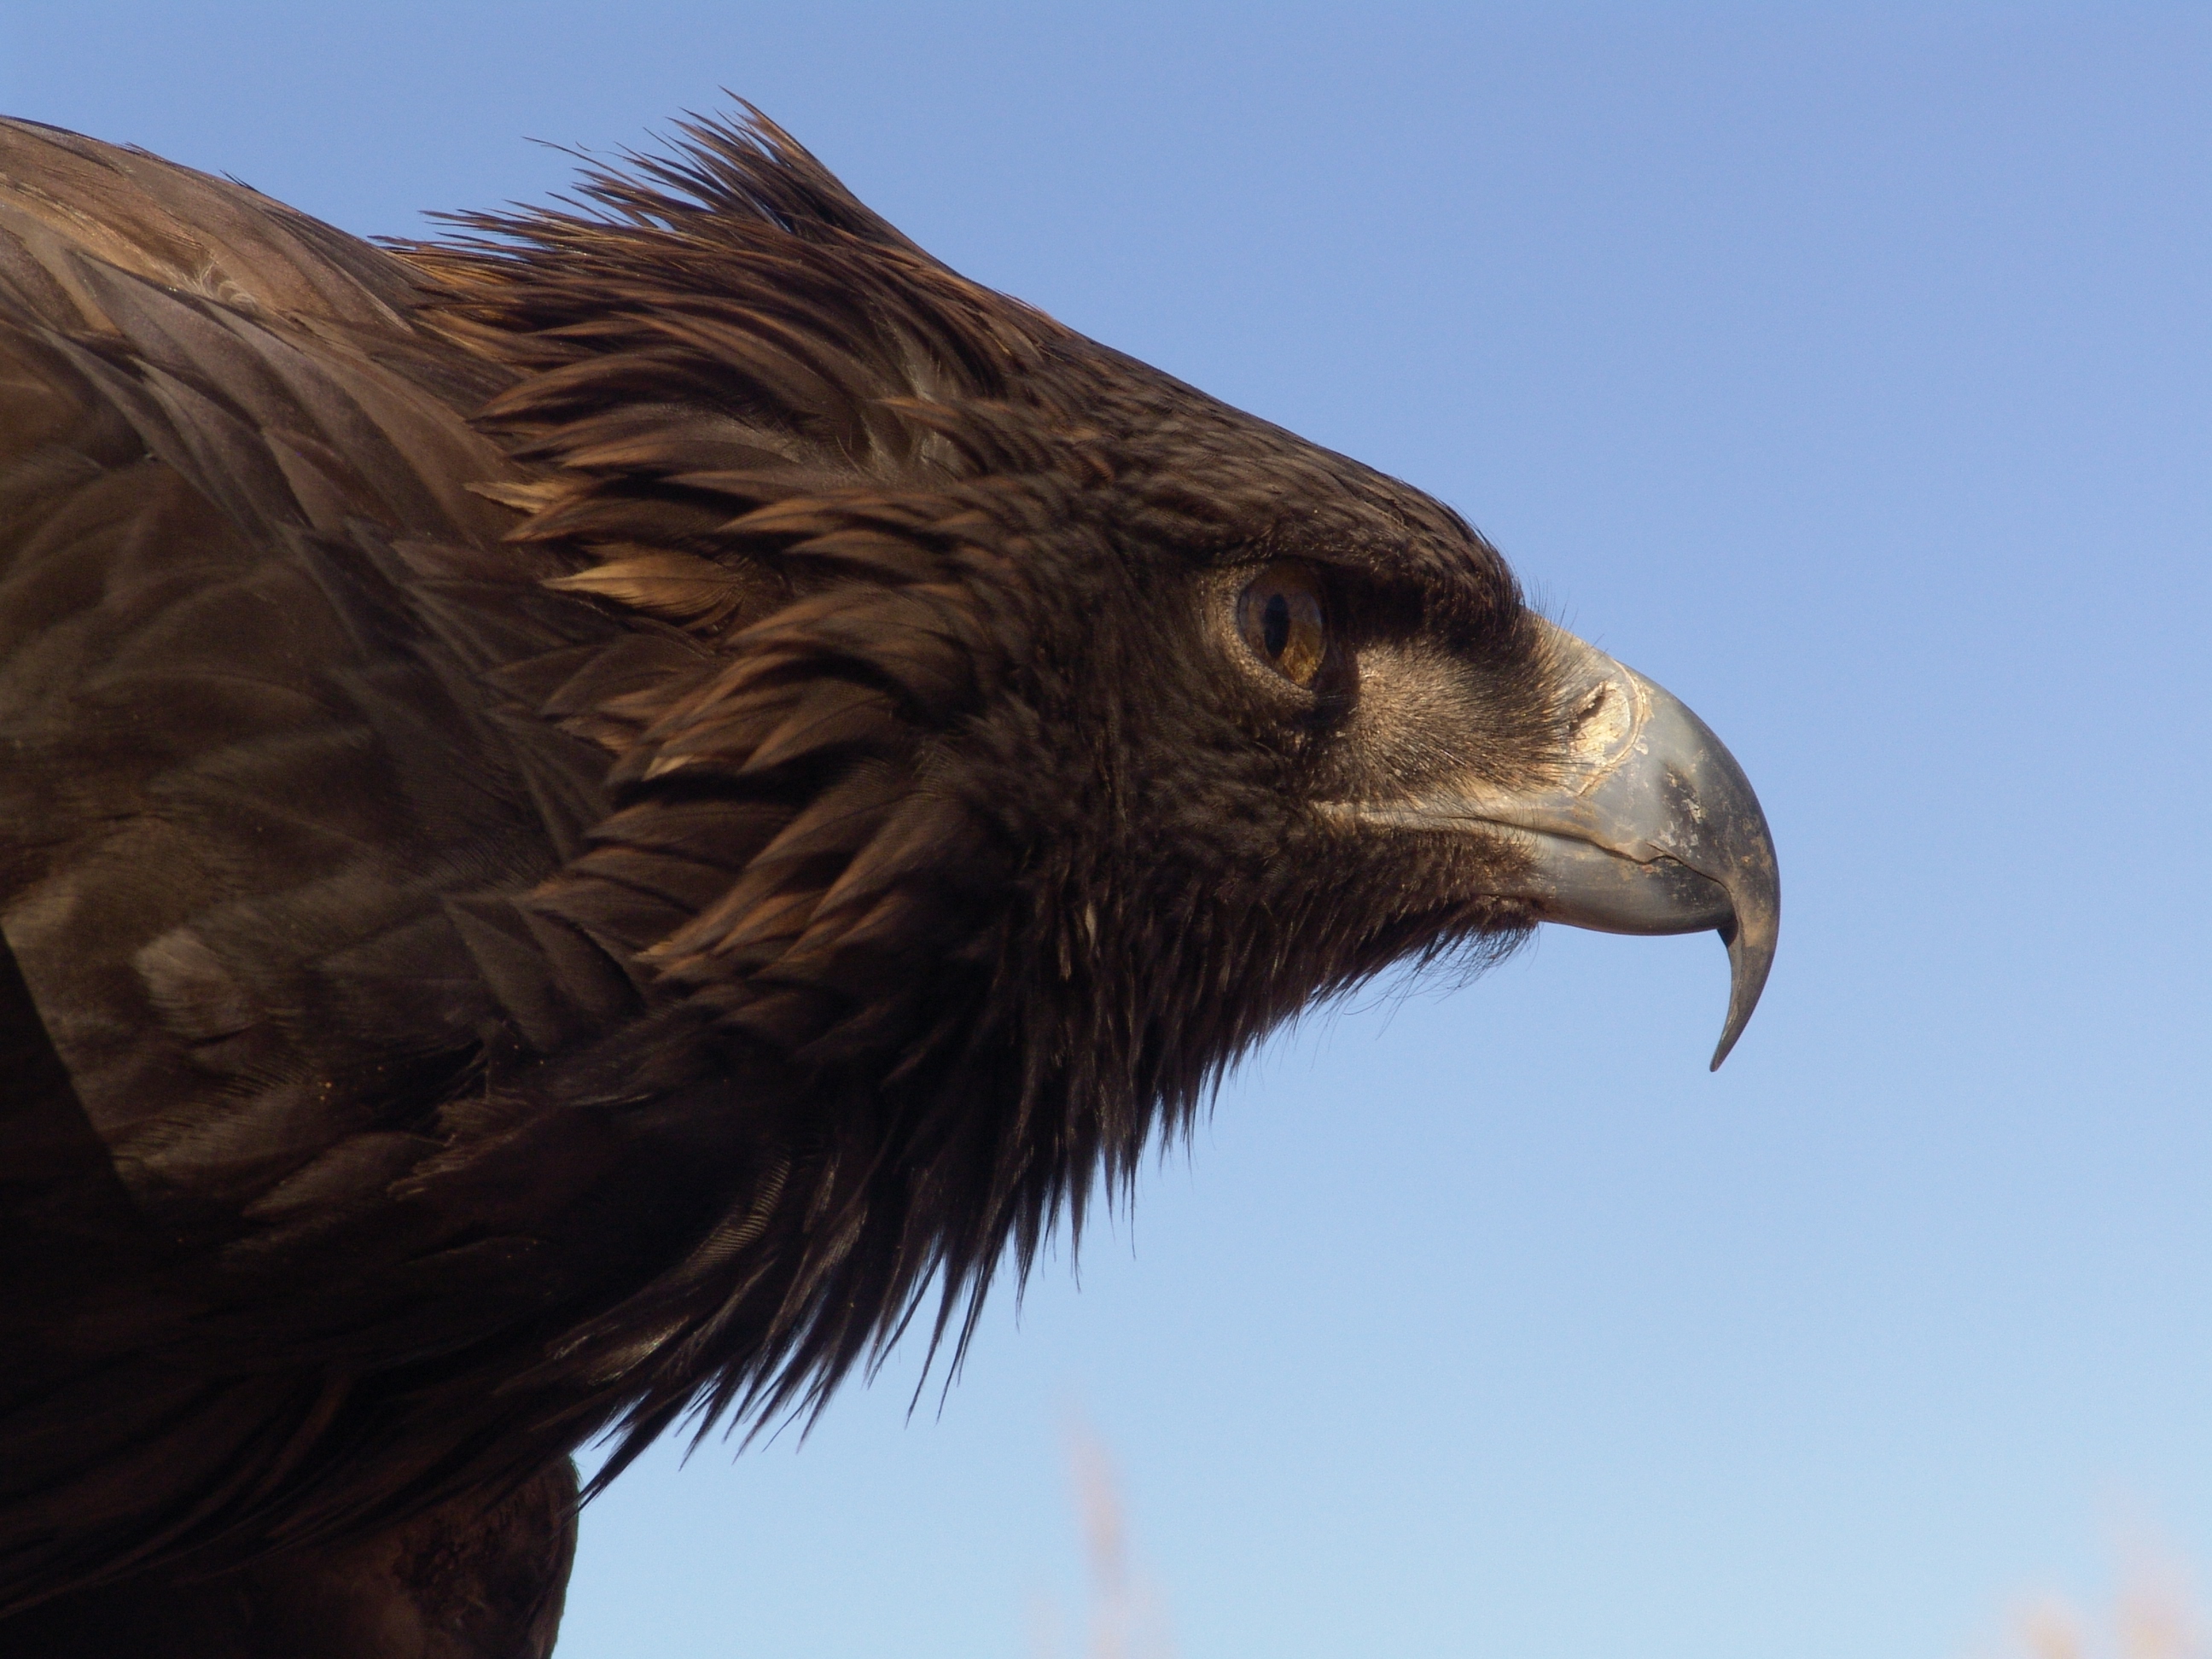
[1281, 617]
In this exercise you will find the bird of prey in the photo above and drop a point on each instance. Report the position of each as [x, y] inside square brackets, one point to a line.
[598, 814]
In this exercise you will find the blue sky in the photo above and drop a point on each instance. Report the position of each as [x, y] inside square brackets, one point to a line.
[1848, 371]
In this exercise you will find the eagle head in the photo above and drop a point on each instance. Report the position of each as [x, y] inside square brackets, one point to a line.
[1005, 735]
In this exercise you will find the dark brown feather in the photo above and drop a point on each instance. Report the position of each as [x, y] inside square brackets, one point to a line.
[597, 811]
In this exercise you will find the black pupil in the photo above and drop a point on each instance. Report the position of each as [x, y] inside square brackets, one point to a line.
[1275, 624]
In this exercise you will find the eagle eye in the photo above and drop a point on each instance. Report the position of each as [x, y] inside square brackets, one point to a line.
[1281, 615]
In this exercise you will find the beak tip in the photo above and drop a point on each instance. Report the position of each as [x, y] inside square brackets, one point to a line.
[1751, 954]
[1727, 1044]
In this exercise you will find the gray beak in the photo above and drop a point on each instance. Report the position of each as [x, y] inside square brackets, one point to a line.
[1651, 827]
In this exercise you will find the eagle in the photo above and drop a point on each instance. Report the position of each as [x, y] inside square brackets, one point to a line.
[601, 813]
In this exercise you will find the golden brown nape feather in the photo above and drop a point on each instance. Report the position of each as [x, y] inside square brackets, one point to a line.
[598, 805]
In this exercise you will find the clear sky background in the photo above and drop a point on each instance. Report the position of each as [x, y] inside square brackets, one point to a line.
[1848, 371]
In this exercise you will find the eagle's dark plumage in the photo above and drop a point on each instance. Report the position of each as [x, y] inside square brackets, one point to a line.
[591, 810]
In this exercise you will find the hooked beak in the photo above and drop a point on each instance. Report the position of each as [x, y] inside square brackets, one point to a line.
[1652, 827]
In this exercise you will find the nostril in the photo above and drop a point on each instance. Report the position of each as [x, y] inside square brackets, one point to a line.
[1599, 722]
